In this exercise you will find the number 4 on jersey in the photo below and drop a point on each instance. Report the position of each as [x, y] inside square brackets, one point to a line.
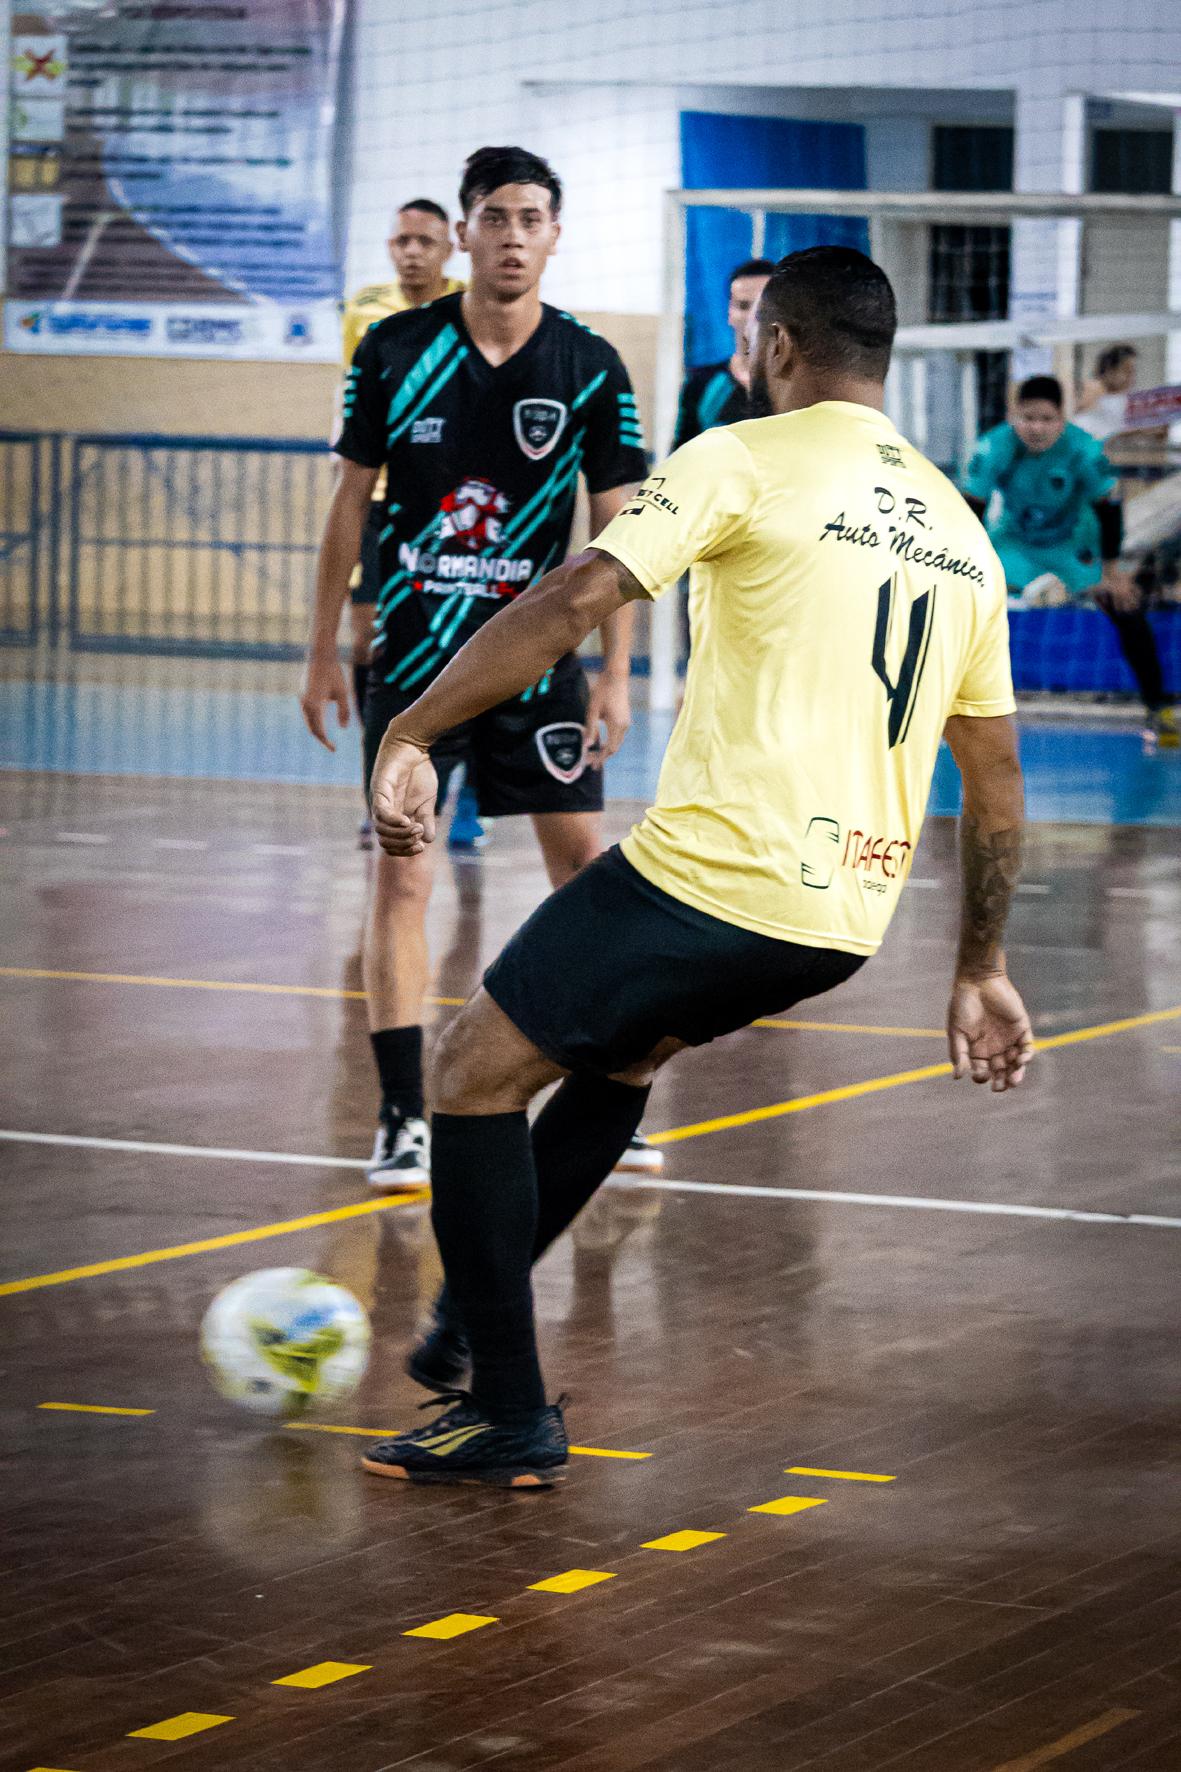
[902, 694]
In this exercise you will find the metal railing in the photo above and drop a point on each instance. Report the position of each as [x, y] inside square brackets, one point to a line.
[144, 543]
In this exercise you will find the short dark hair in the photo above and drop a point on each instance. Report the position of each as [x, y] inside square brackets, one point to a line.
[753, 267]
[838, 306]
[428, 207]
[489, 168]
[1113, 357]
[1041, 387]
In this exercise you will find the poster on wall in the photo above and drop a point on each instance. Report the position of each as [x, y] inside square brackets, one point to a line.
[171, 178]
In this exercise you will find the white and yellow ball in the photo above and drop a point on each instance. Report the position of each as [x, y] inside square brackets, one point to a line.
[278, 1340]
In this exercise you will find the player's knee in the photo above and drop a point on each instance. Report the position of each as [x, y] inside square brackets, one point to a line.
[402, 885]
[463, 1079]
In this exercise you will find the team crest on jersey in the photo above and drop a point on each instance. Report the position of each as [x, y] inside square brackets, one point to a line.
[537, 425]
[562, 748]
[473, 514]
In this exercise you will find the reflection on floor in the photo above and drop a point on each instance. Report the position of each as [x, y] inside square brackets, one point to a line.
[1010, 1598]
[239, 721]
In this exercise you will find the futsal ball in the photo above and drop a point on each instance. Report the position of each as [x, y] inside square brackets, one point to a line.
[277, 1340]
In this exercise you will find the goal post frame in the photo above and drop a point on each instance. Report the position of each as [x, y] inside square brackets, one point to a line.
[907, 385]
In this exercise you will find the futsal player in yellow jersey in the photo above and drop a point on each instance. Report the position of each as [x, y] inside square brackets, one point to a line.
[847, 609]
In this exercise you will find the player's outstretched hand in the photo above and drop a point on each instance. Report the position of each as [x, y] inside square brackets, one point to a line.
[608, 717]
[988, 1032]
[323, 682]
[402, 797]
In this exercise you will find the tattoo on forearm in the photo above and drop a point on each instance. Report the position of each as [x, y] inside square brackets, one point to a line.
[991, 866]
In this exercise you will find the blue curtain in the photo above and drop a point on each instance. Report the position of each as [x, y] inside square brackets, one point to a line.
[723, 152]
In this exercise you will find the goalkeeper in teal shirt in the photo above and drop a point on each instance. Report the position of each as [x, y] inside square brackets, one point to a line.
[1047, 495]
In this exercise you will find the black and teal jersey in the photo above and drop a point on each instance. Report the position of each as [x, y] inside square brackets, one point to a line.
[709, 396]
[483, 465]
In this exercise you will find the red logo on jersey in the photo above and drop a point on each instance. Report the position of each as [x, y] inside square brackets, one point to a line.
[473, 515]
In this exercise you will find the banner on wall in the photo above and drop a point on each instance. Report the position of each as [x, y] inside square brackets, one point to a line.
[171, 178]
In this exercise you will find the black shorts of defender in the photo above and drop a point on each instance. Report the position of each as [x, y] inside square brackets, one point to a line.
[609, 966]
[520, 757]
[367, 581]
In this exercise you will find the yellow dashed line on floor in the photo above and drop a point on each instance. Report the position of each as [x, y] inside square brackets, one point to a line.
[456, 1624]
[94, 1409]
[572, 1582]
[682, 1541]
[324, 1673]
[789, 1504]
[179, 1728]
[813, 1470]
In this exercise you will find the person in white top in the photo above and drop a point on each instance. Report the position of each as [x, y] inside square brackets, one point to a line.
[1102, 406]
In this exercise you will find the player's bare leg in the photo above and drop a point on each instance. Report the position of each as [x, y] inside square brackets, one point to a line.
[568, 840]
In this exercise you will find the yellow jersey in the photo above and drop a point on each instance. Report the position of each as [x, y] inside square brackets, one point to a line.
[377, 301]
[844, 601]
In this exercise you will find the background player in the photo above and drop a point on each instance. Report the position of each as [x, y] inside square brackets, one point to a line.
[719, 393]
[1102, 406]
[1059, 527]
[419, 246]
[848, 609]
[484, 408]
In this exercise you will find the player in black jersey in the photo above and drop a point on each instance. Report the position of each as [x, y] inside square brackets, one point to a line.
[719, 393]
[484, 408]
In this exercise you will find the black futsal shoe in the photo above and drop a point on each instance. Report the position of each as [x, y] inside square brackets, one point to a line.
[440, 1359]
[464, 1446]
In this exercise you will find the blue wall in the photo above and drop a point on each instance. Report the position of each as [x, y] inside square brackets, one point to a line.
[722, 152]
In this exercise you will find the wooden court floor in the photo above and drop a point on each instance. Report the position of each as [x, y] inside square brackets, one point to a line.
[876, 1394]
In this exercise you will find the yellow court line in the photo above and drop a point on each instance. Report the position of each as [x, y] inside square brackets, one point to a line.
[324, 1673]
[1054, 1750]
[812, 1470]
[206, 984]
[314, 990]
[385, 1433]
[850, 1091]
[283, 1228]
[848, 1027]
[93, 1409]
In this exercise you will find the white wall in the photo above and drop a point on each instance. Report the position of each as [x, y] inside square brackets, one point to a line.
[598, 85]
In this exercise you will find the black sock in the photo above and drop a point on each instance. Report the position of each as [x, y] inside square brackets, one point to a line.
[484, 1212]
[398, 1055]
[360, 684]
[1137, 642]
[577, 1139]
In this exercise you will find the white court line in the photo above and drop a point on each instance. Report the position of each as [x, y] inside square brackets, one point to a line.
[930, 885]
[1023, 887]
[911, 1202]
[81, 837]
[177, 843]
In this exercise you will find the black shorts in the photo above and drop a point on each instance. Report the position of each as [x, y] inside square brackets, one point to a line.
[368, 581]
[609, 966]
[523, 756]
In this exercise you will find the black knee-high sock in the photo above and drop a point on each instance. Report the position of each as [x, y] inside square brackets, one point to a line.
[1138, 644]
[484, 1212]
[577, 1139]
